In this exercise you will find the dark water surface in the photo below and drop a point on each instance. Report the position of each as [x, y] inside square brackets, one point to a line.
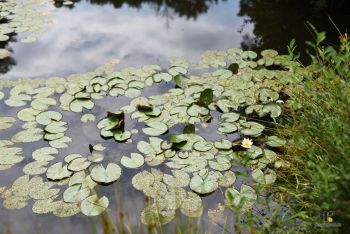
[91, 32]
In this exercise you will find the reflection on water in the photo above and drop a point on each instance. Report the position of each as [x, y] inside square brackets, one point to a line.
[188, 9]
[7, 63]
[81, 39]
[90, 32]
[277, 22]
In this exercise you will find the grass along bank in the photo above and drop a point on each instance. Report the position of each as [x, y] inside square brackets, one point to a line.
[317, 123]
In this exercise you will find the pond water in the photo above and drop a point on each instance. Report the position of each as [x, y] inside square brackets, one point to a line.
[82, 36]
[89, 33]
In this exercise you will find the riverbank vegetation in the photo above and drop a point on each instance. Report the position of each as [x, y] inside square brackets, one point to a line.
[316, 122]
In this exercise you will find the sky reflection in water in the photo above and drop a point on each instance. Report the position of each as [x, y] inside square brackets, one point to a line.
[86, 36]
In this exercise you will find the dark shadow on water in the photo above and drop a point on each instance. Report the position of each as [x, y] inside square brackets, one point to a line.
[7, 63]
[188, 9]
[276, 22]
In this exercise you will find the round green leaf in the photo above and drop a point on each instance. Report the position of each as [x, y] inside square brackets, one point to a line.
[106, 175]
[155, 128]
[202, 146]
[45, 118]
[79, 164]
[252, 128]
[93, 206]
[58, 172]
[76, 193]
[135, 160]
[204, 185]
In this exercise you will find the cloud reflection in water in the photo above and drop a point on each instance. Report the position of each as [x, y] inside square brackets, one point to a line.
[87, 36]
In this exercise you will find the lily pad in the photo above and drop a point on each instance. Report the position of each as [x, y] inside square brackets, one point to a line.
[4, 53]
[96, 157]
[47, 117]
[99, 147]
[93, 206]
[56, 127]
[230, 117]
[122, 136]
[132, 92]
[6, 122]
[88, 118]
[35, 168]
[63, 209]
[227, 179]
[155, 128]
[15, 202]
[60, 143]
[222, 163]
[143, 180]
[202, 146]
[204, 185]
[4, 37]
[266, 178]
[58, 172]
[27, 114]
[78, 104]
[44, 206]
[228, 128]
[180, 179]
[76, 193]
[106, 175]
[153, 215]
[223, 144]
[28, 135]
[192, 205]
[162, 76]
[252, 128]
[79, 164]
[243, 199]
[135, 161]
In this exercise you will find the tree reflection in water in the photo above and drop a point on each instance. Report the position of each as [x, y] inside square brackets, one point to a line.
[7, 63]
[189, 9]
[276, 22]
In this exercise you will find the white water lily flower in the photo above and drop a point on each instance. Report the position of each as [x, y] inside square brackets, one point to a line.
[247, 143]
[280, 101]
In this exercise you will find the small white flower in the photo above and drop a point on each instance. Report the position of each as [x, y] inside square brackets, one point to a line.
[247, 143]
[280, 101]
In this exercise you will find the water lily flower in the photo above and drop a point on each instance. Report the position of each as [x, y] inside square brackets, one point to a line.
[247, 143]
[280, 101]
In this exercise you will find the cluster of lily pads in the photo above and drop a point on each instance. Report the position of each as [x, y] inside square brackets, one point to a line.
[22, 17]
[236, 88]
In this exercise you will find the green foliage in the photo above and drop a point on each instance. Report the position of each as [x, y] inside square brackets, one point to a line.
[206, 97]
[318, 147]
[233, 68]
